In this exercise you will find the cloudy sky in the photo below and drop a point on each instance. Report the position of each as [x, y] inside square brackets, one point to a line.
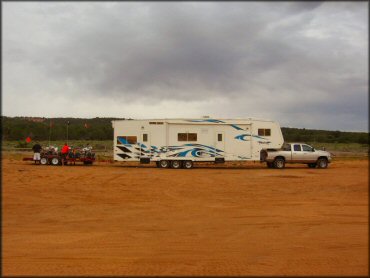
[304, 64]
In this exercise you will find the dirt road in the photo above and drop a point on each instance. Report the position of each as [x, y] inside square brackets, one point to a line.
[249, 220]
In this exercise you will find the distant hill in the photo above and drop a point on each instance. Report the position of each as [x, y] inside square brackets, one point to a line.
[19, 128]
[323, 136]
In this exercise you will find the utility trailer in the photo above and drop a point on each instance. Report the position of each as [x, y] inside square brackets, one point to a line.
[57, 159]
[178, 143]
[50, 156]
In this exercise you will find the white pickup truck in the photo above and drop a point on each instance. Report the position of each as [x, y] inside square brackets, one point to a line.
[295, 153]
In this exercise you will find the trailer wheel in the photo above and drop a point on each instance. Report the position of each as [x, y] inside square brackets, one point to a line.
[322, 163]
[43, 161]
[279, 163]
[157, 164]
[270, 164]
[311, 165]
[54, 161]
[175, 164]
[187, 164]
[164, 164]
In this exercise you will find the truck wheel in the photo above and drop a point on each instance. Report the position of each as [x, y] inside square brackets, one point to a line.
[311, 165]
[175, 164]
[322, 163]
[279, 163]
[43, 161]
[164, 164]
[54, 161]
[187, 164]
[270, 164]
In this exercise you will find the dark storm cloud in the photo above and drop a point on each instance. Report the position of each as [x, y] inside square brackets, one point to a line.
[286, 55]
[297, 7]
[174, 49]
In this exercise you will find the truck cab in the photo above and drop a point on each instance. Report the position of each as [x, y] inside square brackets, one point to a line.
[296, 153]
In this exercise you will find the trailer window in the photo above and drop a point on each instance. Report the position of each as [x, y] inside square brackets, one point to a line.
[126, 139]
[192, 137]
[219, 137]
[264, 132]
[131, 139]
[184, 137]
[145, 137]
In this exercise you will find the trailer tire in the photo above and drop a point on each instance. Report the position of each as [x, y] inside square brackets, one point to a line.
[187, 164]
[270, 165]
[322, 163]
[55, 161]
[164, 164]
[311, 165]
[157, 164]
[175, 164]
[279, 163]
[43, 161]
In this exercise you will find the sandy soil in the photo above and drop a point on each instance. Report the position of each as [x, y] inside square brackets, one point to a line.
[249, 220]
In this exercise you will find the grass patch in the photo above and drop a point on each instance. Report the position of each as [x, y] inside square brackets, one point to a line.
[341, 147]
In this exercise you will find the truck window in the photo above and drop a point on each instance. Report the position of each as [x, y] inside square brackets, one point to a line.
[297, 148]
[306, 148]
[287, 147]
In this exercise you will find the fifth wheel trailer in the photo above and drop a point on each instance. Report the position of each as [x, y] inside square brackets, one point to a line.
[180, 142]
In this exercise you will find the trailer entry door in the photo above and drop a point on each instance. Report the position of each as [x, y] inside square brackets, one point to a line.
[145, 149]
[220, 143]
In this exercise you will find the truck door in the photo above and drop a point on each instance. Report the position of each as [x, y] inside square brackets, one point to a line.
[297, 154]
[308, 154]
[220, 143]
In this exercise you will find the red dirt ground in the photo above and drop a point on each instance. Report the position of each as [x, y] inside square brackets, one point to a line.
[247, 220]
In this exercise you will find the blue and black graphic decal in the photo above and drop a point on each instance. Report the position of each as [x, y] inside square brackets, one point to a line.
[215, 121]
[206, 120]
[194, 150]
[121, 140]
[242, 137]
[237, 127]
[124, 149]
[186, 150]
